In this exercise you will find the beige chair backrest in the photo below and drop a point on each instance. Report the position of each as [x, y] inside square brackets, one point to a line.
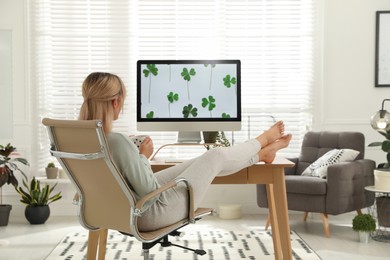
[81, 148]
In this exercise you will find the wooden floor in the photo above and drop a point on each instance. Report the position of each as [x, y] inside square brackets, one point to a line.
[20, 240]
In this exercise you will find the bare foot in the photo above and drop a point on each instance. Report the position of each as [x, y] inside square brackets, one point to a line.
[268, 153]
[271, 135]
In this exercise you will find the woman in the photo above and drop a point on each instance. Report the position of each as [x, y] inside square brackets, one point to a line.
[104, 96]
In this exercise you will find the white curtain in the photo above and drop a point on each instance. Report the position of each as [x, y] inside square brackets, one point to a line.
[275, 41]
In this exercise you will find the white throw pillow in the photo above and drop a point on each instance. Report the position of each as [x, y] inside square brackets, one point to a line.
[319, 168]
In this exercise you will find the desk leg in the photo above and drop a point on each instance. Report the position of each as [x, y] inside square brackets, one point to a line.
[281, 211]
[274, 222]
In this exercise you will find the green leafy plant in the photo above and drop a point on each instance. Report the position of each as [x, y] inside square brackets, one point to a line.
[150, 70]
[186, 74]
[172, 97]
[36, 195]
[190, 110]
[385, 146]
[224, 115]
[220, 140]
[211, 72]
[210, 102]
[363, 222]
[228, 81]
[150, 114]
[50, 165]
[8, 165]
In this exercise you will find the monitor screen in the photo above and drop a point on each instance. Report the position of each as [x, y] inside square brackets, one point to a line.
[188, 95]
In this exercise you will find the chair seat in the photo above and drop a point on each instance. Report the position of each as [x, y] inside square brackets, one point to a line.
[151, 235]
[305, 185]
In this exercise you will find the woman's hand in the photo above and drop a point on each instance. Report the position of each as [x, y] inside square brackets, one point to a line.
[146, 147]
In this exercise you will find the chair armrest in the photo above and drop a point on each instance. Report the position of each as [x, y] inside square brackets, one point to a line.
[345, 185]
[169, 185]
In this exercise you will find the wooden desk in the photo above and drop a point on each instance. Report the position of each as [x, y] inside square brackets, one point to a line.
[273, 176]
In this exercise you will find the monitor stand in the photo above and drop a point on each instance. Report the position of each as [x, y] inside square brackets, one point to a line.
[189, 137]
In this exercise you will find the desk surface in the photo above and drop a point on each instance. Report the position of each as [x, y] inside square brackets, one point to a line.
[257, 173]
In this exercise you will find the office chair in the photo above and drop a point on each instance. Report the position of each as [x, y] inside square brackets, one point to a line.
[105, 200]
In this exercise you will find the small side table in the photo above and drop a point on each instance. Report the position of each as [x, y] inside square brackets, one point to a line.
[381, 213]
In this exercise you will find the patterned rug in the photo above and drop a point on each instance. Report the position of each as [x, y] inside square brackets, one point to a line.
[218, 243]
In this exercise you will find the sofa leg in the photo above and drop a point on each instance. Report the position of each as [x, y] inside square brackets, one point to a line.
[325, 224]
[305, 215]
[268, 223]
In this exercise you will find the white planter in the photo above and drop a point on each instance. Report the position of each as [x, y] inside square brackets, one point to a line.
[364, 237]
[382, 180]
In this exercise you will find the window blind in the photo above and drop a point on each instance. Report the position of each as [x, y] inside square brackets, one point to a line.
[275, 41]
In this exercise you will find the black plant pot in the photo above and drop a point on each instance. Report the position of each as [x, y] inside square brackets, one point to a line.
[4, 214]
[210, 137]
[37, 215]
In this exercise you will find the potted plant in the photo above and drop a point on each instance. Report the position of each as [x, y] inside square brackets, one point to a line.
[382, 180]
[8, 166]
[364, 224]
[217, 138]
[51, 171]
[37, 198]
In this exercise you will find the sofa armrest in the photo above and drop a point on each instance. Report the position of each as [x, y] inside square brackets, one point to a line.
[291, 170]
[345, 186]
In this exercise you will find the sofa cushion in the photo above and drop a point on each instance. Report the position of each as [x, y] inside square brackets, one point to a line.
[319, 168]
[305, 185]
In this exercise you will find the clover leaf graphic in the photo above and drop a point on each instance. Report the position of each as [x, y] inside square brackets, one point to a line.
[190, 110]
[211, 72]
[150, 70]
[186, 74]
[228, 81]
[210, 102]
[150, 114]
[172, 97]
[224, 115]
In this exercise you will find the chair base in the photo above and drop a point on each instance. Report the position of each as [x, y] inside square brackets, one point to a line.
[97, 244]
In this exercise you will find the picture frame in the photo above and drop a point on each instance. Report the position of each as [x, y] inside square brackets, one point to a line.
[382, 49]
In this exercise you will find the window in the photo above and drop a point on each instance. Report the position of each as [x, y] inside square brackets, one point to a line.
[275, 41]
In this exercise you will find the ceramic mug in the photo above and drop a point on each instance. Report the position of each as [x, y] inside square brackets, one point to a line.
[138, 139]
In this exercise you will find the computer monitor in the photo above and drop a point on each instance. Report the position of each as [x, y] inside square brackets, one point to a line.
[188, 96]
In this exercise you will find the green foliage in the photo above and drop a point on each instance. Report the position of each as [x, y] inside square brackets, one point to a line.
[224, 115]
[151, 69]
[210, 102]
[187, 74]
[385, 146]
[9, 164]
[50, 165]
[35, 196]
[221, 140]
[172, 97]
[150, 114]
[190, 110]
[228, 81]
[363, 222]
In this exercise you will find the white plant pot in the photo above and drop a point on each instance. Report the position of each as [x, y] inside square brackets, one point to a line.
[382, 180]
[364, 237]
[52, 173]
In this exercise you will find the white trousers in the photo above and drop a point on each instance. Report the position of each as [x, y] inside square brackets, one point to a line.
[199, 172]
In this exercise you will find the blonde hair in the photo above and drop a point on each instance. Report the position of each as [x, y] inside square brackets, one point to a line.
[100, 89]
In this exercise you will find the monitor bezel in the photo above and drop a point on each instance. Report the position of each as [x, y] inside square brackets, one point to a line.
[203, 121]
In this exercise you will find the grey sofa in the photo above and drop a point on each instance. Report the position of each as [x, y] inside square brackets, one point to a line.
[343, 189]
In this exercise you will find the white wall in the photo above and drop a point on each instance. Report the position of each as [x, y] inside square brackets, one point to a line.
[345, 96]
